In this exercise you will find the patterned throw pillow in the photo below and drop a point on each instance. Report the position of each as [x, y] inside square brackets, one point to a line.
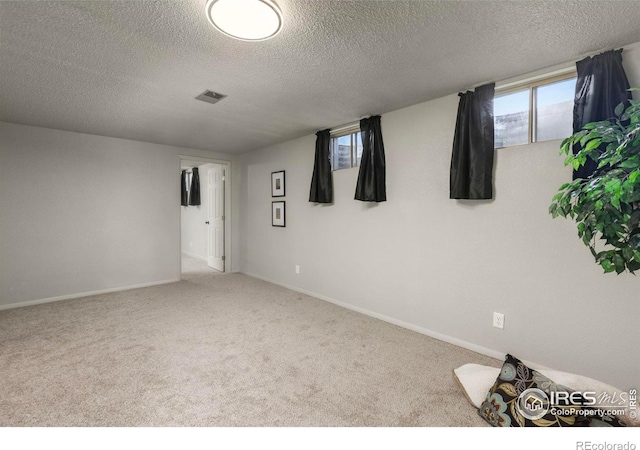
[506, 407]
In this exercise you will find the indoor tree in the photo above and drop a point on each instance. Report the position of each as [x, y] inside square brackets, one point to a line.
[606, 205]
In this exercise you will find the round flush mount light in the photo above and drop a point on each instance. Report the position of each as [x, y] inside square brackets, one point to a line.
[247, 20]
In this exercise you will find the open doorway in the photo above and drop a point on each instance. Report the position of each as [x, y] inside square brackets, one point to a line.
[203, 218]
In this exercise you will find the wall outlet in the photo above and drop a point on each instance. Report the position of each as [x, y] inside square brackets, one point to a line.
[498, 320]
[297, 268]
[190, 244]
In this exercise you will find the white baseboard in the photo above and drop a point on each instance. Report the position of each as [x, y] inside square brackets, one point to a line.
[409, 326]
[193, 255]
[83, 294]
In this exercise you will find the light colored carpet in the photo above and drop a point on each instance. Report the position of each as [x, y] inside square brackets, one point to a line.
[222, 350]
[193, 268]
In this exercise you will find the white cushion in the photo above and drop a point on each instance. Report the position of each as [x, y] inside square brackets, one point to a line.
[476, 380]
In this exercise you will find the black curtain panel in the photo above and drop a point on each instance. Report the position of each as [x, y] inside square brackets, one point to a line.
[601, 86]
[322, 180]
[371, 185]
[471, 175]
[184, 200]
[194, 193]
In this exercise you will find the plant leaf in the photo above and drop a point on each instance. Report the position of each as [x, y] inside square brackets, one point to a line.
[593, 144]
[607, 266]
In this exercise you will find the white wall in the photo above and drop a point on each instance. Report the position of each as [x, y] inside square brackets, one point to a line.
[442, 265]
[83, 213]
[194, 228]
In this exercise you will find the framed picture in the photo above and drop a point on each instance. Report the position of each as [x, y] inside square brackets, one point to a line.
[277, 214]
[277, 184]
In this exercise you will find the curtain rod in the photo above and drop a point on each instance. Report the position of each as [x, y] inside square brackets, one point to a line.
[570, 66]
[345, 127]
[524, 81]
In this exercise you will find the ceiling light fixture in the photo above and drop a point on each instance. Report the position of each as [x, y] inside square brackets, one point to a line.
[247, 20]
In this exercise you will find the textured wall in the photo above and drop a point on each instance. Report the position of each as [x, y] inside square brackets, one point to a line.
[82, 213]
[443, 265]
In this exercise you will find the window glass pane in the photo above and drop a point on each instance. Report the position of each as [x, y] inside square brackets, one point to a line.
[341, 152]
[511, 119]
[554, 110]
[358, 148]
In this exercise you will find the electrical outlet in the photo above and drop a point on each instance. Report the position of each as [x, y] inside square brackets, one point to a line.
[190, 244]
[297, 269]
[498, 320]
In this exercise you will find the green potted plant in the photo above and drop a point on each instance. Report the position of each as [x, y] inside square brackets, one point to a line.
[606, 206]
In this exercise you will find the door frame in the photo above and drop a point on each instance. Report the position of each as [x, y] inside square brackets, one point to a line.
[215, 216]
[228, 257]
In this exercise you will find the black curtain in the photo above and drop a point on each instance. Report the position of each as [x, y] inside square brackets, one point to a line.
[322, 180]
[184, 199]
[371, 185]
[471, 175]
[601, 86]
[194, 194]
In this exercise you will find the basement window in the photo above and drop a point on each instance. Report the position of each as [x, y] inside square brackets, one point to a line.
[346, 147]
[534, 112]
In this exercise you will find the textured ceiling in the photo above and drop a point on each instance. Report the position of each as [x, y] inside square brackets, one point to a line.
[131, 69]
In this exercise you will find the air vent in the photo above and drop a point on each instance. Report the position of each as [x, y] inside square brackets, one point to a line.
[210, 97]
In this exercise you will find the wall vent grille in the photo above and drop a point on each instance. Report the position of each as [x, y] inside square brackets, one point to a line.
[210, 97]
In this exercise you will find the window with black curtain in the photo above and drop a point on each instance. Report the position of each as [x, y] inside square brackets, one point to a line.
[601, 86]
[371, 186]
[322, 178]
[471, 174]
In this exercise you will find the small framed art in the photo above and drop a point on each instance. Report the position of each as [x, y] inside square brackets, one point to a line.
[278, 214]
[277, 184]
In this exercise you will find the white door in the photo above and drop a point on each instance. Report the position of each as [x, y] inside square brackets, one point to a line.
[215, 221]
